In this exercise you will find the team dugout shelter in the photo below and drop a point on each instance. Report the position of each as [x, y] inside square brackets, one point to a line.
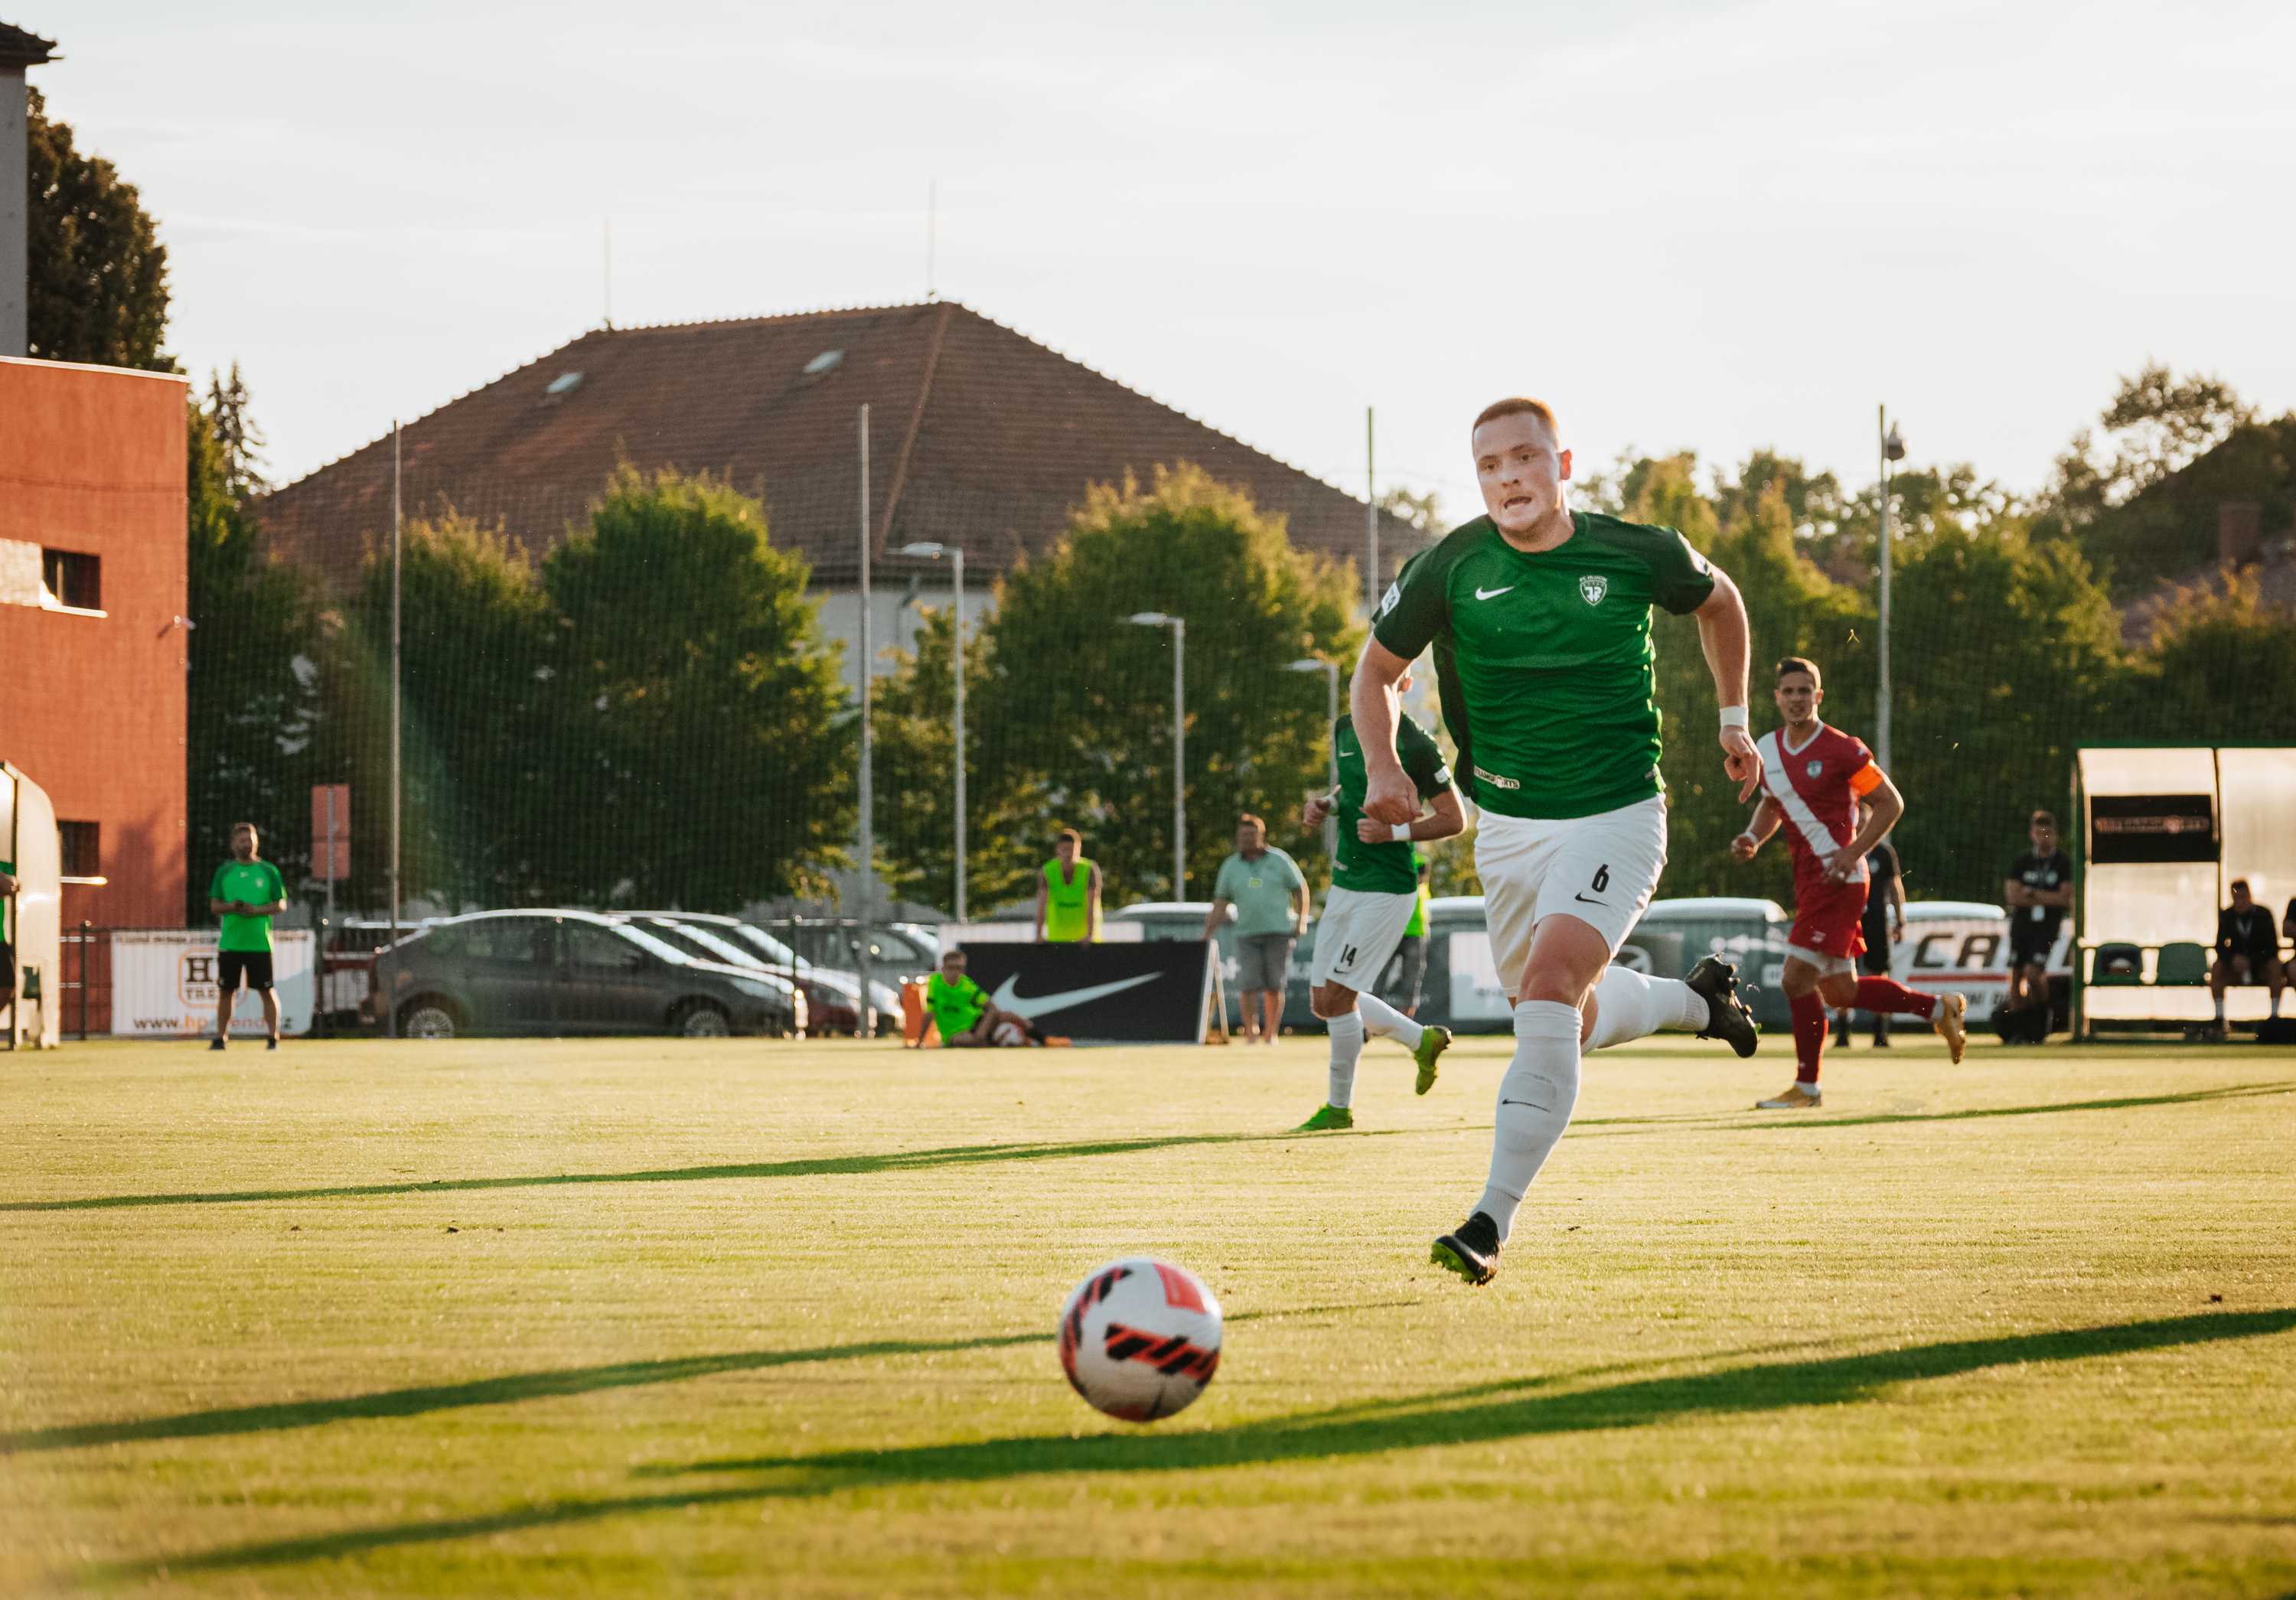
[2163, 833]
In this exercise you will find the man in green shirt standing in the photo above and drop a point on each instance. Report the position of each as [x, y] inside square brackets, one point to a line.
[964, 1013]
[246, 892]
[1270, 898]
[1540, 621]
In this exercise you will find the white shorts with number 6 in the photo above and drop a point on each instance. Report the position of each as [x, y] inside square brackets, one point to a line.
[1602, 869]
[1359, 935]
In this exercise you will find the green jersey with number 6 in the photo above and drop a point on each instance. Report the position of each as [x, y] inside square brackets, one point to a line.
[1545, 661]
[1389, 868]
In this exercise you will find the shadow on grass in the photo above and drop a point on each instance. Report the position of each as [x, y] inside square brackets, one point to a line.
[1438, 1419]
[897, 1160]
[1738, 1122]
[513, 1387]
[965, 1155]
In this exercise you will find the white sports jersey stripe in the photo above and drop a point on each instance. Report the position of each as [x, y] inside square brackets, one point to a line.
[1820, 838]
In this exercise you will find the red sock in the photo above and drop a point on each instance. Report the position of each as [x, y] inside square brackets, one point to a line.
[1809, 1036]
[1887, 994]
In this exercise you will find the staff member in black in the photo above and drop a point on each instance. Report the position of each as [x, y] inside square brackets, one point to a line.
[2248, 951]
[1884, 926]
[2039, 891]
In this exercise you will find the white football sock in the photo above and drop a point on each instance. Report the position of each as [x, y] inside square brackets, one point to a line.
[1628, 1006]
[2219, 1002]
[1536, 1098]
[1381, 1018]
[1347, 1049]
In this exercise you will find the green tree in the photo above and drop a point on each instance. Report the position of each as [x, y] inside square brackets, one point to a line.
[252, 711]
[707, 756]
[1073, 711]
[98, 273]
[2209, 673]
[482, 730]
[2006, 655]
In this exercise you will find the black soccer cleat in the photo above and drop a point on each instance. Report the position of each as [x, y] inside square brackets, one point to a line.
[1473, 1252]
[1728, 1017]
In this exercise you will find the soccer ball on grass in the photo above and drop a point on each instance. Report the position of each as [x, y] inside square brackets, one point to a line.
[1139, 1338]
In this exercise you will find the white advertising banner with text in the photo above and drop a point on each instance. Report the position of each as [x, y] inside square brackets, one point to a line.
[163, 985]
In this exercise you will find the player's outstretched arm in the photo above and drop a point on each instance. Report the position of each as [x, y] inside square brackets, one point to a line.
[1723, 634]
[1389, 796]
[1759, 827]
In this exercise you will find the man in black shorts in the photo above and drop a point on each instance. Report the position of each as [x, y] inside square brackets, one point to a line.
[2247, 952]
[1884, 926]
[246, 892]
[2039, 891]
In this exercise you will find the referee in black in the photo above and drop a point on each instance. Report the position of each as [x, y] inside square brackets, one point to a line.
[1884, 926]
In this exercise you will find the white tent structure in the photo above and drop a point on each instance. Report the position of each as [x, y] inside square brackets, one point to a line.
[28, 838]
[2160, 833]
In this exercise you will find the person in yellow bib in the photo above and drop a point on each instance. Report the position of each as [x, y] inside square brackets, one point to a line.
[1068, 895]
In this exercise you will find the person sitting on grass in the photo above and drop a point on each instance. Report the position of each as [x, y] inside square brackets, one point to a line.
[963, 1011]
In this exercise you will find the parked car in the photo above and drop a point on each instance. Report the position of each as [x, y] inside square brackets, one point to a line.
[832, 999]
[896, 951]
[571, 972]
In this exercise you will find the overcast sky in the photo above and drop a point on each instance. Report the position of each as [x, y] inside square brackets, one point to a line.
[1712, 226]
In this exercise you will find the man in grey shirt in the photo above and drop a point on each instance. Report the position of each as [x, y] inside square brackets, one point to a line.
[1270, 898]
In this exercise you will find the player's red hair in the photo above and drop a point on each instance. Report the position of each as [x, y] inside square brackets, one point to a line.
[1518, 405]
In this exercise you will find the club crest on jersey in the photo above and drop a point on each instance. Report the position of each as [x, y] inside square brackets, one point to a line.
[1814, 768]
[1593, 587]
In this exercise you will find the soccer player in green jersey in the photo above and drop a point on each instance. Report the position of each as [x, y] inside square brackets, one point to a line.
[1540, 621]
[963, 1012]
[1374, 893]
[246, 893]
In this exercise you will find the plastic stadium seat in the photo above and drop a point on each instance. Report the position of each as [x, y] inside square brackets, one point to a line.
[2181, 965]
[2116, 965]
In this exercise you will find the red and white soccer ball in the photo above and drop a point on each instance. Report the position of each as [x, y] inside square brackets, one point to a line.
[1140, 1339]
[1009, 1034]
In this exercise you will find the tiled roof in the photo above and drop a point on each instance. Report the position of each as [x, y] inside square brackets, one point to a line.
[19, 48]
[978, 436]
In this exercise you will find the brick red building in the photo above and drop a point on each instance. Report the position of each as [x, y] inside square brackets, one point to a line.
[92, 597]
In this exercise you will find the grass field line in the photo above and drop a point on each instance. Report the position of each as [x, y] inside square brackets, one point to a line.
[907, 1161]
[1438, 1419]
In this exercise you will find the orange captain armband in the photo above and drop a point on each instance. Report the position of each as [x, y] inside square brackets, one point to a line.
[1865, 779]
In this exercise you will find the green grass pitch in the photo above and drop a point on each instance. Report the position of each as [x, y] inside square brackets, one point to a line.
[733, 1317]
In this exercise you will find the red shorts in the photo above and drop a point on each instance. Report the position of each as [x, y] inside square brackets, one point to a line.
[1829, 919]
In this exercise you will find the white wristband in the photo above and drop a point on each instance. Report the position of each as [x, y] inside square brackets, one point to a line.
[1733, 716]
[1402, 832]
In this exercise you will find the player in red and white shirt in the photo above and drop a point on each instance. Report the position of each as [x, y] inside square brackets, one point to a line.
[1813, 779]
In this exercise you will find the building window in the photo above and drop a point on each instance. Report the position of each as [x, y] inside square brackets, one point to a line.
[83, 844]
[74, 581]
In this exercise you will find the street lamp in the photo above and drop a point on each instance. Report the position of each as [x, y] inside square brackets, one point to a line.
[931, 551]
[1179, 628]
[1893, 448]
[1331, 671]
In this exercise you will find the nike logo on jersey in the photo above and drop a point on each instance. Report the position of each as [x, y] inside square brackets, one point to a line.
[1584, 901]
[1033, 1006]
[1484, 594]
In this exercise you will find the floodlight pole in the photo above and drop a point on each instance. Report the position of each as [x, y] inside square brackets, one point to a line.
[398, 537]
[1371, 519]
[868, 785]
[1331, 671]
[1891, 448]
[929, 551]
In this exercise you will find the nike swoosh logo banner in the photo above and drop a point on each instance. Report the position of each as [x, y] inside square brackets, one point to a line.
[1484, 594]
[1008, 996]
[1153, 991]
